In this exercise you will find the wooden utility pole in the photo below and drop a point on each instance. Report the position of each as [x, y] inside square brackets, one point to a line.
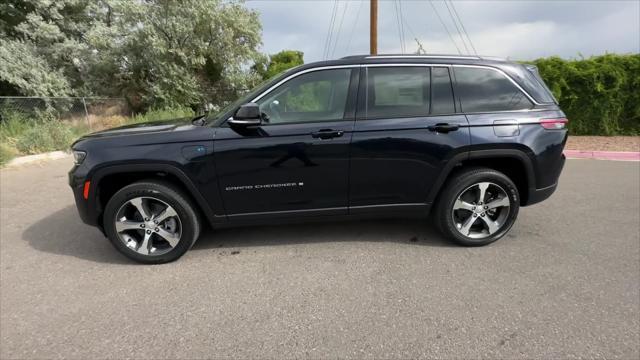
[373, 23]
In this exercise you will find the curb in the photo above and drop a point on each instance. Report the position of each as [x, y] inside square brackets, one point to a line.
[28, 159]
[603, 155]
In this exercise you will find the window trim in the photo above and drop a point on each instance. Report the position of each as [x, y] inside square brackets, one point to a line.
[469, 66]
[292, 76]
[363, 67]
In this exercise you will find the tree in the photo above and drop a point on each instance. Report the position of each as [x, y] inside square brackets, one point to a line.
[165, 53]
[156, 53]
[42, 45]
[278, 63]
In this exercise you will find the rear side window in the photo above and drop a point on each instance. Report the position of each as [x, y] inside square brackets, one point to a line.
[486, 90]
[397, 91]
[441, 92]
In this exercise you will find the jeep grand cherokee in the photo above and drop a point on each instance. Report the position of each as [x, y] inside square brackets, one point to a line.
[469, 139]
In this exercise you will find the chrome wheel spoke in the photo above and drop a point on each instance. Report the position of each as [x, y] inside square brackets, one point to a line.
[167, 213]
[145, 245]
[466, 227]
[463, 205]
[492, 226]
[139, 205]
[171, 238]
[483, 186]
[502, 202]
[123, 225]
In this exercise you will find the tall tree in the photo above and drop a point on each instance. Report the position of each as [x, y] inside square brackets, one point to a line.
[164, 53]
[277, 63]
[42, 45]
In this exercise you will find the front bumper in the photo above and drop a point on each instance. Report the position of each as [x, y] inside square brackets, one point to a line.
[84, 206]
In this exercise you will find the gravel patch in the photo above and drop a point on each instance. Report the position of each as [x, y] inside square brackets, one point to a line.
[604, 143]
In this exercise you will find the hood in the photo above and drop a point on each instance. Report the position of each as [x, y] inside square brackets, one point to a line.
[142, 128]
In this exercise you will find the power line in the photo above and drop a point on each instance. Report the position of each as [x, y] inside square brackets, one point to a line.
[463, 29]
[445, 27]
[344, 11]
[457, 27]
[327, 43]
[353, 28]
[395, 8]
[404, 41]
[413, 34]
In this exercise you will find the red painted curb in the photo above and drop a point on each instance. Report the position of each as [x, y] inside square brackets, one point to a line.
[603, 155]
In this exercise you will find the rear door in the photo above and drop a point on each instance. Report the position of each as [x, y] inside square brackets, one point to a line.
[297, 162]
[407, 128]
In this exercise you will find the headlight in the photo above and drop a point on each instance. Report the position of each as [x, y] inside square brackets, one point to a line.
[78, 156]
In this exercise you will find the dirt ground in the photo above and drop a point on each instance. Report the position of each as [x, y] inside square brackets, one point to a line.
[604, 143]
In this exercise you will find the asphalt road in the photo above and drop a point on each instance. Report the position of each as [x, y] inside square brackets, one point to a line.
[565, 283]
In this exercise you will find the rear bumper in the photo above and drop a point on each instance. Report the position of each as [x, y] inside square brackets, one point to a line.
[538, 195]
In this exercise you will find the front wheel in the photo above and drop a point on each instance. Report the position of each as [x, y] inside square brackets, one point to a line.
[477, 207]
[151, 222]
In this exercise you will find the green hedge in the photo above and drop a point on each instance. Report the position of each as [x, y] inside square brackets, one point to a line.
[600, 95]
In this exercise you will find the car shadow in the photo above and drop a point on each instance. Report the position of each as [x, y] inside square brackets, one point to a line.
[405, 231]
[63, 233]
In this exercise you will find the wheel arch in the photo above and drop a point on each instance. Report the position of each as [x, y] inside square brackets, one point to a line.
[108, 180]
[514, 163]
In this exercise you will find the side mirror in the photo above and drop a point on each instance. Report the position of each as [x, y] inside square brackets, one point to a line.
[247, 115]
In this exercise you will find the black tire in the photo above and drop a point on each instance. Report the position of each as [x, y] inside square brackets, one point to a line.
[463, 181]
[189, 219]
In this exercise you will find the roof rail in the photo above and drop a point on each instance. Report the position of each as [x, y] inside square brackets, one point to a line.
[422, 57]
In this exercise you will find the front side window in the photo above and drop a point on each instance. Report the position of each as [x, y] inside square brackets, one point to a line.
[314, 96]
[486, 90]
[397, 92]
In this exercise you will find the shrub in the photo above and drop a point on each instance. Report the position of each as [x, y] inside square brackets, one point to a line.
[600, 95]
[43, 136]
[162, 114]
[6, 153]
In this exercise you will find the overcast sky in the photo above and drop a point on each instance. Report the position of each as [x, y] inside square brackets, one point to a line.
[516, 29]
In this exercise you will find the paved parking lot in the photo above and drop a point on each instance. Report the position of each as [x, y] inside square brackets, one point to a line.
[564, 283]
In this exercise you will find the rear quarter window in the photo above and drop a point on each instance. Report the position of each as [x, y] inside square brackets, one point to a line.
[487, 90]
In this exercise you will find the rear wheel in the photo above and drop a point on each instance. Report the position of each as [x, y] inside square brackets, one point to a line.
[477, 207]
[151, 222]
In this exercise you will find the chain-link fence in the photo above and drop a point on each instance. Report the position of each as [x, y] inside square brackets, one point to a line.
[92, 112]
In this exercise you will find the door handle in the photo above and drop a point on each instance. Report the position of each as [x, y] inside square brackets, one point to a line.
[443, 127]
[326, 134]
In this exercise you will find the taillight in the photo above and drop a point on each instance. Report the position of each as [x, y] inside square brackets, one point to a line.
[554, 124]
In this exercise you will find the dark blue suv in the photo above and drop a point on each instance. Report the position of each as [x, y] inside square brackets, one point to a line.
[469, 139]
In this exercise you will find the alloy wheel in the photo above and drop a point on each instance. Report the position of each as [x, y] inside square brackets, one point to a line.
[148, 226]
[481, 210]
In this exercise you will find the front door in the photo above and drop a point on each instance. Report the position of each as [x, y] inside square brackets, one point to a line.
[297, 161]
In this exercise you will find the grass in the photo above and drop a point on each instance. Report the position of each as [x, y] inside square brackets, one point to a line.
[22, 134]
